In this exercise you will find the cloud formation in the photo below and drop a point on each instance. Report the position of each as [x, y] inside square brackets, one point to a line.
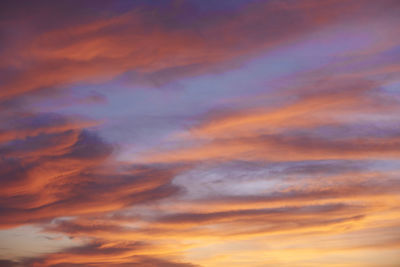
[150, 38]
[62, 171]
[191, 133]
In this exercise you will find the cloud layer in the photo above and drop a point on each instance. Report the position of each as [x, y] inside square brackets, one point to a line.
[191, 133]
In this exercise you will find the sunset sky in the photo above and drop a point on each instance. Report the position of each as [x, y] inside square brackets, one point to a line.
[200, 133]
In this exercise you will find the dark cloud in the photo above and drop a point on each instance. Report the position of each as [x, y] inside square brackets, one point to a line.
[93, 253]
[323, 167]
[89, 146]
[7, 263]
[351, 189]
[61, 169]
[72, 227]
[98, 247]
[284, 215]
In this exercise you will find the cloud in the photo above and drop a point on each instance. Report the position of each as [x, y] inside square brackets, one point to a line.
[150, 38]
[20, 126]
[324, 120]
[61, 170]
[264, 215]
[307, 158]
[100, 253]
[7, 263]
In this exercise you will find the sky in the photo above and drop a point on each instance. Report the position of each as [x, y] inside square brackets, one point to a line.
[199, 133]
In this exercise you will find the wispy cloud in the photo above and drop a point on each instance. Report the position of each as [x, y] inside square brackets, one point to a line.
[243, 153]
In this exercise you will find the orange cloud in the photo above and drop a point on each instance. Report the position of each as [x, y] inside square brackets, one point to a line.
[295, 130]
[313, 167]
[98, 49]
[62, 171]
